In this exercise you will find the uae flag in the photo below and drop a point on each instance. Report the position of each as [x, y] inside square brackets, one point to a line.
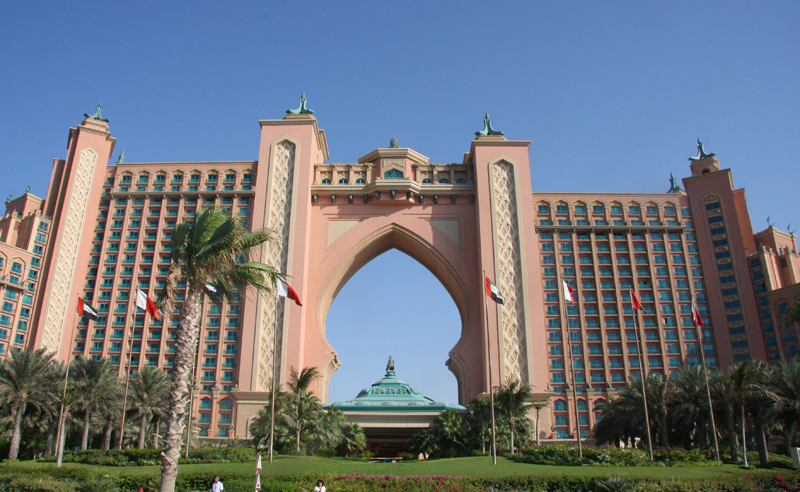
[145, 303]
[493, 292]
[210, 288]
[696, 315]
[569, 292]
[84, 309]
[286, 290]
[635, 303]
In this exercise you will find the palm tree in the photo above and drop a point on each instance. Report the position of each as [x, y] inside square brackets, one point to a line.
[260, 426]
[539, 405]
[303, 416]
[150, 391]
[299, 383]
[785, 382]
[479, 419]
[659, 397]
[211, 248]
[743, 381]
[93, 378]
[353, 439]
[513, 401]
[26, 378]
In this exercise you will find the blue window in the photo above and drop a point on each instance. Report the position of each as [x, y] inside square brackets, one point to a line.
[395, 174]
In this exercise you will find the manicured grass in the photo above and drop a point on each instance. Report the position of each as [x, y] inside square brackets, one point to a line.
[462, 467]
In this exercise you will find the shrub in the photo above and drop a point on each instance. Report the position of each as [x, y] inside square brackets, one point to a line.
[405, 455]
[562, 454]
[327, 453]
[367, 454]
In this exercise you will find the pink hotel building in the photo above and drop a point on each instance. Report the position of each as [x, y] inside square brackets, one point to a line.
[103, 231]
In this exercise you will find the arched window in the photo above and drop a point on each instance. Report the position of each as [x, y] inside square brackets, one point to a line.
[226, 404]
[360, 181]
[582, 405]
[326, 181]
[444, 181]
[427, 181]
[205, 404]
[461, 181]
[560, 406]
[393, 174]
[343, 181]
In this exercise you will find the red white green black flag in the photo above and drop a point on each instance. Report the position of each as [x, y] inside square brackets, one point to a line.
[493, 292]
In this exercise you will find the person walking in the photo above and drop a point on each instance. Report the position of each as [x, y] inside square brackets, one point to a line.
[320, 486]
[217, 486]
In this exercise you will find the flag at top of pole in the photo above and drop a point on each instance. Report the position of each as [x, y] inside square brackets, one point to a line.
[493, 292]
[286, 290]
[144, 303]
[569, 292]
[635, 303]
[696, 315]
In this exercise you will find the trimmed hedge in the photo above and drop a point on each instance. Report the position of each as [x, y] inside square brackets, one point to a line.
[152, 456]
[68, 479]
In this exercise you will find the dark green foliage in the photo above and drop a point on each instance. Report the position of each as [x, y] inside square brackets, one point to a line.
[561, 454]
[151, 456]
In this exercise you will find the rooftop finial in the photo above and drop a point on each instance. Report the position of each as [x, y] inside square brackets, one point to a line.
[393, 143]
[97, 114]
[302, 109]
[30, 188]
[390, 365]
[121, 158]
[674, 187]
[701, 152]
[769, 222]
[487, 127]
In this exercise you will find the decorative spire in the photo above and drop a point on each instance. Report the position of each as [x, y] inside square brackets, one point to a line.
[390, 366]
[674, 187]
[302, 109]
[487, 127]
[769, 222]
[121, 158]
[701, 152]
[97, 114]
[30, 187]
[394, 143]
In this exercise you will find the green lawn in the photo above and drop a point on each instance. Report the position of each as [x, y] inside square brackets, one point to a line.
[462, 467]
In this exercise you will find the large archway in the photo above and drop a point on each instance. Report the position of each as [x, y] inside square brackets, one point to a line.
[418, 325]
[460, 221]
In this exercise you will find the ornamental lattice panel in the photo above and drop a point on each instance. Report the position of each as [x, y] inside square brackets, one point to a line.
[276, 254]
[74, 218]
[510, 272]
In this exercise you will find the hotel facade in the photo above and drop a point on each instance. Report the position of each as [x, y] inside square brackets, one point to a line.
[103, 231]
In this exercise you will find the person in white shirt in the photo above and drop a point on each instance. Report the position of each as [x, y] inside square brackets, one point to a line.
[217, 485]
[320, 486]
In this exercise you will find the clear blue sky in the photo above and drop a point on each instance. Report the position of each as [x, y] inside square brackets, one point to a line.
[611, 94]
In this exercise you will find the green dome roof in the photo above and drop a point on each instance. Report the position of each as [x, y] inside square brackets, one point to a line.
[390, 394]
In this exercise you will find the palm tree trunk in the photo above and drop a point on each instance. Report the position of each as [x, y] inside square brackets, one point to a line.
[185, 347]
[483, 440]
[13, 451]
[761, 443]
[537, 426]
[62, 440]
[155, 432]
[787, 441]
[730, 424]
[744, 438]
[48, 447]
[107, 435]
[297, 427]
[664, 430]
[511, 428]
[142, 431]
[85, 437]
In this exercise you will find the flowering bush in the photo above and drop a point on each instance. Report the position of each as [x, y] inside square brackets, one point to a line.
[563, 454]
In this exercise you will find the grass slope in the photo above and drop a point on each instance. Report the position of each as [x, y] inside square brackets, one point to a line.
[462, 467]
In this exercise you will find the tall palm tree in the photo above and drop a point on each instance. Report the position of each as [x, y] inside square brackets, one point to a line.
[659, 397]
[299, 383]
[785, 383]
[513, 401]
[26, 378]
[303, 416]
[733, 388]
[689, 410]
[92, 377]
[209, 249]
[150, 391]
[353, 439]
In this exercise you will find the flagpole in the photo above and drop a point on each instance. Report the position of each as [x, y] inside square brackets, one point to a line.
[640, 348]
[491, 384]
[705, 375]
[272, 394]
[572, 372]
[60, 451]
[127, 369]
